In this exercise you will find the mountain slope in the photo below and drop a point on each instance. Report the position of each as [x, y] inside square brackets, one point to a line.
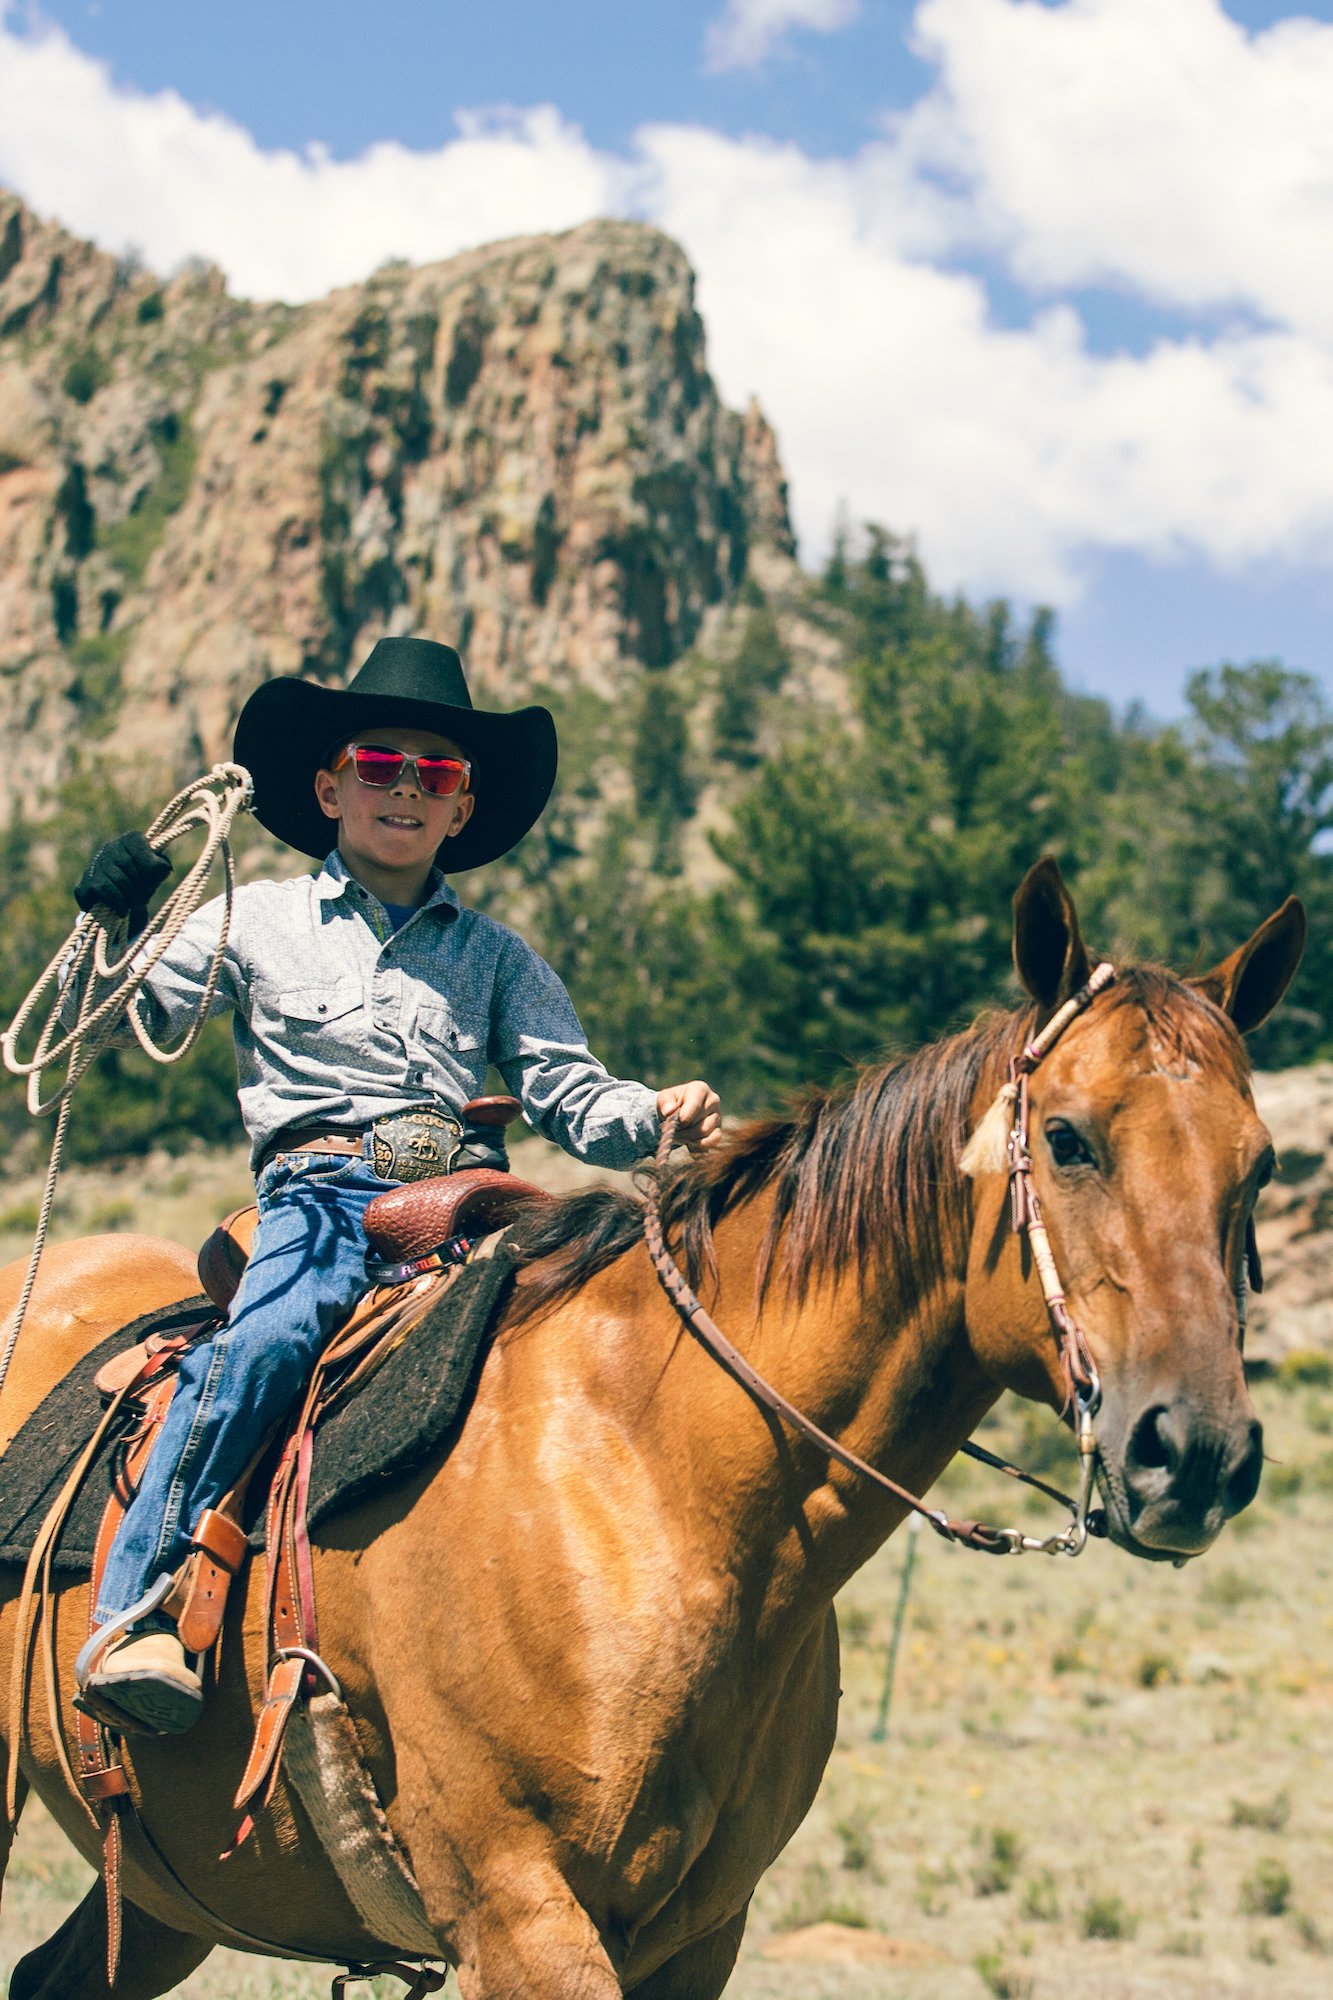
[520, 450]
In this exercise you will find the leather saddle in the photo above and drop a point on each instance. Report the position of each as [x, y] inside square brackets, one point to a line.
[406, 1225]
[410, 1224]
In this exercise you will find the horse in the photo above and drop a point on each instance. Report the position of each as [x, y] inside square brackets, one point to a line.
[591, 1649]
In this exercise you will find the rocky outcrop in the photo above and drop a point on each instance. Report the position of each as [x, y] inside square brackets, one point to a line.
[1294, 1217]
[520, 449]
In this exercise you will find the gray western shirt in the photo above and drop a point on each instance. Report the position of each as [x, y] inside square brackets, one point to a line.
[339, 1020]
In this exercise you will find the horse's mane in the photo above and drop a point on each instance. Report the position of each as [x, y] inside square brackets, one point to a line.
[864, 1174]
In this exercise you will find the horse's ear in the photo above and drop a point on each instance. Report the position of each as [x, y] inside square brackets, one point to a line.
[1049, 954]
[1249, 984]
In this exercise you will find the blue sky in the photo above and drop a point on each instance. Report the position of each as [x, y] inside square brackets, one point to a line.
[342, 74]
[345, 75]
[1044, 282]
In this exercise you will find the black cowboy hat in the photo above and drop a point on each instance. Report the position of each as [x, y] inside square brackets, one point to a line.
[288, 727]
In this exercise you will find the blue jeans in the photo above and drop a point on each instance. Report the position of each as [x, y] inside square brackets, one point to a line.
[307, 1270]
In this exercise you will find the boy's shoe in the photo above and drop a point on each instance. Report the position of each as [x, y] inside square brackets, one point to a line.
[147, 1679]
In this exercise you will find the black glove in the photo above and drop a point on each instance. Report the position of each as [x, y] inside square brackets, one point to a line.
[121, 876]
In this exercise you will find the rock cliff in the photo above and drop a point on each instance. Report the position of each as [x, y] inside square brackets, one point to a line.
[520, 449]
[1295, 1214]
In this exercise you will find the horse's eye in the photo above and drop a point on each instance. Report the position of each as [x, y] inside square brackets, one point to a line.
[1265, 1173]
[1068, 1148]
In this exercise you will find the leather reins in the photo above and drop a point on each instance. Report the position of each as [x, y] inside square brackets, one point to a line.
[1077, 1365]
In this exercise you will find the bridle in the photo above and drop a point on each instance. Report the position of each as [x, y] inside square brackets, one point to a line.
[1007, 1119]
[1082, 1385]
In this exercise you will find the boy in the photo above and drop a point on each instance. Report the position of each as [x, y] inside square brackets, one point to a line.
[368, 1004]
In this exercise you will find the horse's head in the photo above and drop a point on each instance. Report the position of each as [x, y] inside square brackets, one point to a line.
[1147, 1157]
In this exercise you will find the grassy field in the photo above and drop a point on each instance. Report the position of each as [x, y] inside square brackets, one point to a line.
[1101, 1778]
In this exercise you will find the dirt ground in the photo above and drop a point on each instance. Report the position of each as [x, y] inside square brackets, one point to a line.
[1102, 1778]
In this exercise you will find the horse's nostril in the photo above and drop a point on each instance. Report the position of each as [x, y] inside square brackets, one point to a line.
[1197, 1470]
[1153, 1447]
[1243, 1482]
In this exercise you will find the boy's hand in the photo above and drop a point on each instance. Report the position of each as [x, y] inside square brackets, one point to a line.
[121, 876]
[699, 1109]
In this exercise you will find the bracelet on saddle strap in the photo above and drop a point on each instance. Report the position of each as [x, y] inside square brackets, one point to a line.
[456, 1250]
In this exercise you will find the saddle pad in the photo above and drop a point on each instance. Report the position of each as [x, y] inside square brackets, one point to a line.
[398, 1416]
[415, 1398]
[34, 1468]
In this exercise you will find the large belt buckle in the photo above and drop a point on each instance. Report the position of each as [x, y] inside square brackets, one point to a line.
[415, 1145]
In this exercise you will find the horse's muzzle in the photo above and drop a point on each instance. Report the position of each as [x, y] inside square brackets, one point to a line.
[1182, 1474]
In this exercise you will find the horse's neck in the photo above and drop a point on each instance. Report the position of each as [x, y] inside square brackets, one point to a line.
[899, 1386]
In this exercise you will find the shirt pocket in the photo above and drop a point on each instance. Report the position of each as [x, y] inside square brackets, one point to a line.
[443, 1031]
[317, 1019]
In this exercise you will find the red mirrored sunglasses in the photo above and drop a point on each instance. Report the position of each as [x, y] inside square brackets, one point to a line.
[376, 764]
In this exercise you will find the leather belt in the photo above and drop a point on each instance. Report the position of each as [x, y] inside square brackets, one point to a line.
[313, 1142]
[409, 1145]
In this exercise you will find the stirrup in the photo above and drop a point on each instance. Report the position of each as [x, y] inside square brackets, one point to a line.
[92, 1649]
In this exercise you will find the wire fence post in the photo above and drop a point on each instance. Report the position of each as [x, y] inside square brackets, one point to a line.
[881, 1728]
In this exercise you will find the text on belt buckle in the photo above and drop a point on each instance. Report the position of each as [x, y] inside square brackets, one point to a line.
[414, 1145]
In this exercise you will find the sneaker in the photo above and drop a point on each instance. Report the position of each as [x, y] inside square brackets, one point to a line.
[147, 1678]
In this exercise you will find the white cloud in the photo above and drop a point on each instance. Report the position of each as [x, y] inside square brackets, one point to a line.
[1011, 452]
[750, 30]
[1149, 143]
[1080, 142]
[123, 167]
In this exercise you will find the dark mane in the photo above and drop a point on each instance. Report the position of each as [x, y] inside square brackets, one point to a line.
[864, 1175]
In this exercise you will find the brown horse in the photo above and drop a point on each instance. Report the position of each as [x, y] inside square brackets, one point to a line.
[591, 1652]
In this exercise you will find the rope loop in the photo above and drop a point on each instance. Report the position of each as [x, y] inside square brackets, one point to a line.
[107, 969]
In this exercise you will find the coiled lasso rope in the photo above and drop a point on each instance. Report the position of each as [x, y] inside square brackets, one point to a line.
[106, 967]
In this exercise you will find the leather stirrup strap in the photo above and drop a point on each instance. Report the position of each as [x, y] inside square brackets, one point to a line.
[47, 1537]
[289, 1615]
[218, 1553]
[283, 1621]
[102, 1782]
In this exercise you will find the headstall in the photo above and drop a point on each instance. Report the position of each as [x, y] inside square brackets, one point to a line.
[1012, 1105]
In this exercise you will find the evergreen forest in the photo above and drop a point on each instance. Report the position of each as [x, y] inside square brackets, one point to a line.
[743, 881]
